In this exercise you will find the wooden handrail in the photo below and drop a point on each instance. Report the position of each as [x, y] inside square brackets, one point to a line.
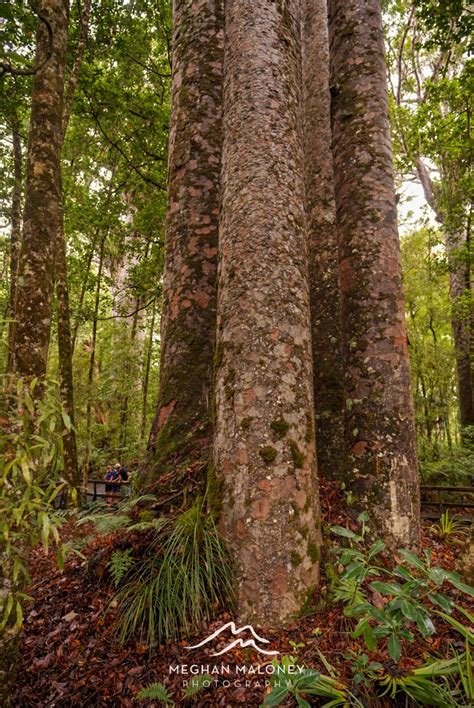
[438, 488]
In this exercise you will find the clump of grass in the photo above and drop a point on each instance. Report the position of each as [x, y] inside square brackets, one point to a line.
[184, 576]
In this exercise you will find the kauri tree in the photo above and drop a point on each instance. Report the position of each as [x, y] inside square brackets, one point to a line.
[183, 417]
[264, 442]
[380, 434]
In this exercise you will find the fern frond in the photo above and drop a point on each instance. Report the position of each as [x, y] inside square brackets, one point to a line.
[155, 692]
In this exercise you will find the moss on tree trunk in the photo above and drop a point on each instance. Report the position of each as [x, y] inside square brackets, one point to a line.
[264, 456]
[42, 209]
[182, 425]
[380, 431]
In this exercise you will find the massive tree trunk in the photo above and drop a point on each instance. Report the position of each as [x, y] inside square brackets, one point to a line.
[322, 239]
[42, 209]
[264, 444]
[380, 432]
[182, 421]
[15, 238]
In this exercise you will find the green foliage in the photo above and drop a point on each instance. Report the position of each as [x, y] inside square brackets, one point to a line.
[119, 564]
[450, 529]
[289, 679]
[155, 692]
[409, 592]
[184, 575]
[30, 480]
[196, 684]
[159, 692]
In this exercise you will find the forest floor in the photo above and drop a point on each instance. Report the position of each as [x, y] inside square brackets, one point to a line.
[70, 655]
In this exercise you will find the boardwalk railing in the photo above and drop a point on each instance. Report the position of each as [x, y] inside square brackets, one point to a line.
[96, 490]
[444, 498]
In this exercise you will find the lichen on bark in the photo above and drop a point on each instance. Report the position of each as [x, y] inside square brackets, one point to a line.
[263, 323]
[42, 207]
[379, 423]
[183, 416]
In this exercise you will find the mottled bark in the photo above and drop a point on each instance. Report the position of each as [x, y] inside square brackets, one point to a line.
[65, 345]
[42, 209]
[182, 421]
[322, 241]
[265, 458]
[15, 237]
[380, 432]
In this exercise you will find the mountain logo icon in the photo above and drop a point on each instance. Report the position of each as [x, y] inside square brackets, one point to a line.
[240, 642]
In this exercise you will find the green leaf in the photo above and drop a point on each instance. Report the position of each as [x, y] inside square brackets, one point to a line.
[408, 610]
[386, 588]
[377, 547]
[456, 580]
[411, 559]
[301, 701]
[278, 694]
[441, 600]
[394, 647]
[346, 533]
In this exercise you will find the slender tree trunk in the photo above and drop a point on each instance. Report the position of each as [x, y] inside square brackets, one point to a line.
[182, 421]
[90, 375]
[65, 347]
[71, 467]
[42, 209]
[322, 239]
[146, 372]
[41, 216]
[462, 322]
[128, 385]
[265, 453]
[15, 239]
[380, 430]
[458, 247]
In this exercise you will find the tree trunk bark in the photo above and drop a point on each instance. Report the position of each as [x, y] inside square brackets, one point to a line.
[182, 422]
[322, 240]
[265, 458]
[65, 346]
[462, 321]
[71, 466]
[15, 239]
[380, 431]
[42, 209]
[90, 375]
[146, 373]
[458, 248]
